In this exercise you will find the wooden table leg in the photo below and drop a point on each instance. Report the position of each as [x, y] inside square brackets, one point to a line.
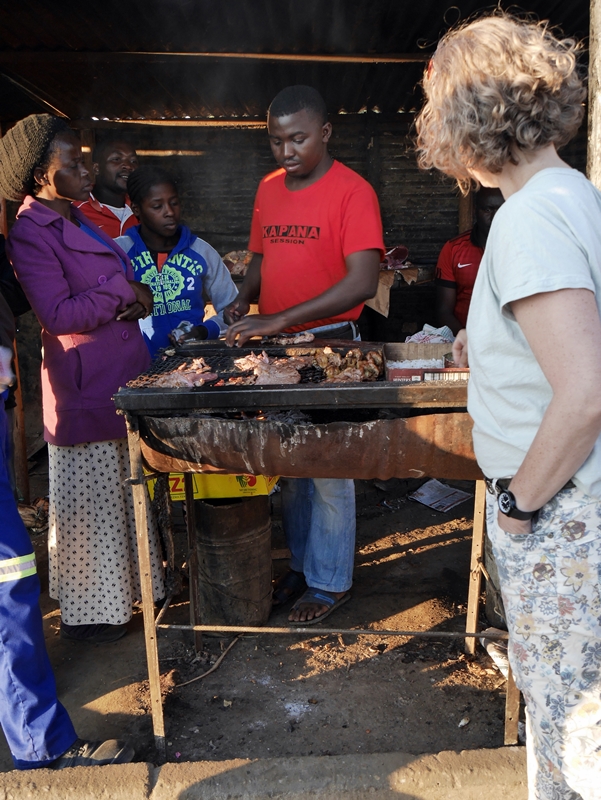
[473, 598]
[512, 710]
[192, 559]
[141, 508]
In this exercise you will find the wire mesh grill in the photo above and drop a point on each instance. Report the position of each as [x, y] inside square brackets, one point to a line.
[223, 365]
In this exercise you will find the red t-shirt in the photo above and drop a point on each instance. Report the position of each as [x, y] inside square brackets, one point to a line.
[457, 267]
[304, 237]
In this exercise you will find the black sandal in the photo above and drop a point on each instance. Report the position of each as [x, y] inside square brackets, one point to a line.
[289, 586]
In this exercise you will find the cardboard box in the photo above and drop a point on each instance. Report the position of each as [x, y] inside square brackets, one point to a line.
[218, 486]
[412, 351]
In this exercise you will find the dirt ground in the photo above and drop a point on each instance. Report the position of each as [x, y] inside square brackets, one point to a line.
[313, 694]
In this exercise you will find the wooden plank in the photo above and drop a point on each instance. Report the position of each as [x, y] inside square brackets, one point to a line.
[594, 96]
[42, 57]
[512, 711]
[88, 142]
[193, 574]
[473, 599]
[466, 212]
[19, 440]
[141, 509]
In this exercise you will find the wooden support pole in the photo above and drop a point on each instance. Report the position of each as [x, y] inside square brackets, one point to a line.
[466, 212]
[512, 711]
[594, 96]
[19, 439]
[141, 509]
[473, 598]
[88, 142]
[192, 558]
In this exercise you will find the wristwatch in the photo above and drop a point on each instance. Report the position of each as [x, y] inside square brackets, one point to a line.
[507, 506]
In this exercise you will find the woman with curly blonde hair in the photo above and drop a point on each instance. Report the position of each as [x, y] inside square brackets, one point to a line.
[502, 95]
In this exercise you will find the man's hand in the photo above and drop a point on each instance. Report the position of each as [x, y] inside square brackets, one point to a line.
[253, 325]
[236, 311]
[460, 349]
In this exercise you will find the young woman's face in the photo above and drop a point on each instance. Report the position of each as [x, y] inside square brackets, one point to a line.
[160, 210]
[67, 177]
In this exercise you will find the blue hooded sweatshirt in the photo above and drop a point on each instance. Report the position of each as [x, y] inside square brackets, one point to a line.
[193, 270]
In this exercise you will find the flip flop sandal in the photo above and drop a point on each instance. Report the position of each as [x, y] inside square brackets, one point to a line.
[320, 597]
[289, 586]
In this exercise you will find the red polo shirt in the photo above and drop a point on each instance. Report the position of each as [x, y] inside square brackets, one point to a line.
[102, 216]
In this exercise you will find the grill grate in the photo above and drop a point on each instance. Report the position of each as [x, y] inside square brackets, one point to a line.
[223, 365]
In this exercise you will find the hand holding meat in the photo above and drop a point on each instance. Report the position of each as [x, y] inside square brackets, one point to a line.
[236, 311]
[253, 325]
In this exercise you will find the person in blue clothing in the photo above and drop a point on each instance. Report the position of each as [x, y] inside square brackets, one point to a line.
[180, 268]
[36, 725]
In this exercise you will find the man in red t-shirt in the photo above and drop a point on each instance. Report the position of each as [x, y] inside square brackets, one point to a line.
[459, 261]
[113, 162]
[316, 236]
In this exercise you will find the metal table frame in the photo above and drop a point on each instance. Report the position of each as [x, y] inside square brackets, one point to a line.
[424, 397]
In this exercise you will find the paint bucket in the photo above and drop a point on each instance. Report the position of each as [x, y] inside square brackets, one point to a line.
[233, 544]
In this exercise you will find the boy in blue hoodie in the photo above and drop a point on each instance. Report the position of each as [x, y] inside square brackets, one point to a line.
[179, 267]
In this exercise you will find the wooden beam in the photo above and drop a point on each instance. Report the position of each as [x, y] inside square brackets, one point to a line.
[593, 166]
[466, 212]
[80, 56]
[19, 438]
[88, 142]
[473, 600]
[141, 511]
[35, 93]
[168, 123]
[512, 711]
[238, 122]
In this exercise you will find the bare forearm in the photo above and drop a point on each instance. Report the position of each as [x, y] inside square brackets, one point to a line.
[567, 434]
[337, 300]
[251, 287]
[450, 320]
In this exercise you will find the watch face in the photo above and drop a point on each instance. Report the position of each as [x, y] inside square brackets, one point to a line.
[506, 502]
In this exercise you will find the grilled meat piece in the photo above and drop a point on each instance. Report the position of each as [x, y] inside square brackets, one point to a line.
[348, 375]
[186, 380]
[282, 372]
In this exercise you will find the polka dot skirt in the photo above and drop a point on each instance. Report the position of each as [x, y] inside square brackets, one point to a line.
[93, 560]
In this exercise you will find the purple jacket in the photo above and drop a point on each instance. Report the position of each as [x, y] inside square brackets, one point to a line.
[76, 287]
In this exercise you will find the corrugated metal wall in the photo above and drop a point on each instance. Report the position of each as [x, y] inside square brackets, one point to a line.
[419, 209]
[218, 186]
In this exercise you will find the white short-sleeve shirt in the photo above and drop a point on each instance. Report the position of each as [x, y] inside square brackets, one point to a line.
[545, 237]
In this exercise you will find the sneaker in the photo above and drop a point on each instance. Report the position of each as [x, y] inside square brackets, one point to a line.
[95, 754]
[92, 634]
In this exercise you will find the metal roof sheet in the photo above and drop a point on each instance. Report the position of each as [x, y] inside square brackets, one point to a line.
[140, 60]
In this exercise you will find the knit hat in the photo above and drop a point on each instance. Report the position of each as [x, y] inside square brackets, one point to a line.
[22, 149]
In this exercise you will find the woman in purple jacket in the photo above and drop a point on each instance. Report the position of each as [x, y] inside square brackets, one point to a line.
[81, 287]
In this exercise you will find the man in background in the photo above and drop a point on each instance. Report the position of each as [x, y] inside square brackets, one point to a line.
[459, 261]
[113, 161]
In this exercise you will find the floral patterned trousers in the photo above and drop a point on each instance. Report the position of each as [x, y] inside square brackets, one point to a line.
[551, 588]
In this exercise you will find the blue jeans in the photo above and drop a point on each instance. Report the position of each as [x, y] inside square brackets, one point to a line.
[318, 515]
